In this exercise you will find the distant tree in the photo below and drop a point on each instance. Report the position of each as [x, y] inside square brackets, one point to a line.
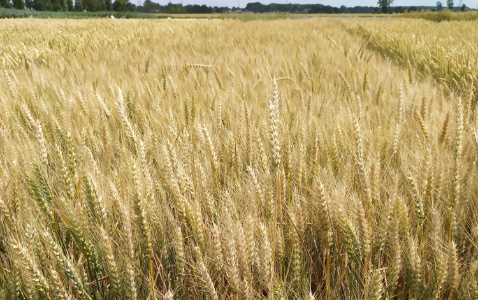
[98, 5]
[175, 8]
[78, 5]
[399, 9]
[385, 5]
[148, 6]
[463, 7]
[329, 9]
[69, 5]
[119, 5]
[449, 3]
[41, 5]
[131, 7]
[344, 9]
[89, 5]
[55, 5]
[255, 7]
[439, 6]
[19, 4]
[5, 4]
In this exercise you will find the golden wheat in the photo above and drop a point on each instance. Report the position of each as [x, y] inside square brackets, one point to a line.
[219, 159]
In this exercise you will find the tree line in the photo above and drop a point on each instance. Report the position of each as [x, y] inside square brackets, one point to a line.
[109, 5]
[384, 6]
[153, 7]
[66, 5]
[449, 4]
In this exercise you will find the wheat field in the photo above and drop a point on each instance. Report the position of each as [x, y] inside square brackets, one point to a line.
[445, 51]
[196, 159]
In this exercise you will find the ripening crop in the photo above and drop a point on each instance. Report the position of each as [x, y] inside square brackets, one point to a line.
[220, 159]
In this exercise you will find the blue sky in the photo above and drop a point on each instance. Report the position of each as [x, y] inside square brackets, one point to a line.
[242, 3]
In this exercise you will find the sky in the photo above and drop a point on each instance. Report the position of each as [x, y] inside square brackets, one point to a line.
[349, 3]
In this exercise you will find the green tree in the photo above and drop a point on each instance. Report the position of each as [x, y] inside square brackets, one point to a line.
[131, 7]
[463, 7]
[78, 5]
[5, 4]
[449, 3]
[56, 5]
[385, 5]
[100, 5]
[439, 6]
[19, 4]
[89, 5]
[119, 5]
[41, 5]
[148, 6]
[69, 5]
[344, 9]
